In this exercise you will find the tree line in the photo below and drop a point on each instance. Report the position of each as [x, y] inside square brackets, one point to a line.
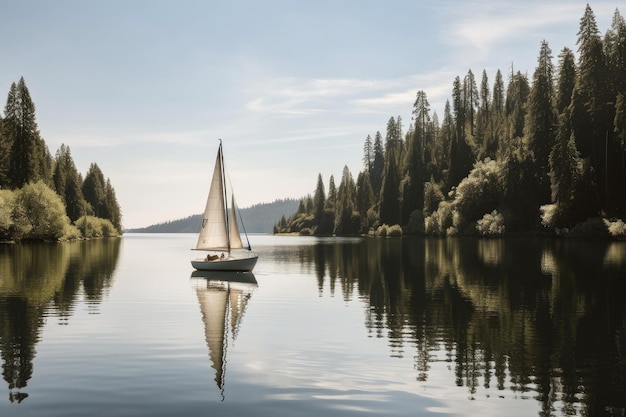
[544, 155]
[44, 197]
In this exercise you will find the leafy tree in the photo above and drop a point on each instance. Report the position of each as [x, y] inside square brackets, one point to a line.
[7, 206]
[478, 194]
[39, 213]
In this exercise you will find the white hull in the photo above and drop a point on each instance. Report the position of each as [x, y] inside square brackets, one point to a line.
[230, 263]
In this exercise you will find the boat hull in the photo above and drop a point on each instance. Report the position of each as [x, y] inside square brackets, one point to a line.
[245, 264]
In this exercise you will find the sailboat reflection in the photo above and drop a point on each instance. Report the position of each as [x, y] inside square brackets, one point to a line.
[223, 298]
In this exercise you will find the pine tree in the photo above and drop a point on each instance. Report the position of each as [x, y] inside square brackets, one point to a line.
[94, 191]
[592, 85]
[515, 105]
[378, 165]
[68, 184]
[331, 201]
[615, 51]
[113, 208]
[319, 199]
[368, 154]
[389, 197]
[461, 158]
[345, 222]
[412, 186]
[540, 120]
[470, 99]
[566, 79]
[364, 198]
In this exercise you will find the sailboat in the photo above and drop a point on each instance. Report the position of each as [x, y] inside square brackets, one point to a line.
[219, 240]
[223, 297]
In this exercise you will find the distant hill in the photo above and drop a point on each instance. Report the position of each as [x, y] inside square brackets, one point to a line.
[259, 218]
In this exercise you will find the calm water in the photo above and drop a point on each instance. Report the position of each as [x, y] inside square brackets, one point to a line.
[327, 327]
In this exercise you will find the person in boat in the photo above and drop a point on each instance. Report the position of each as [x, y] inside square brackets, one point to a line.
[210, 257]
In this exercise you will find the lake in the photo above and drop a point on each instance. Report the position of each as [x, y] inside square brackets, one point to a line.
[324, 326]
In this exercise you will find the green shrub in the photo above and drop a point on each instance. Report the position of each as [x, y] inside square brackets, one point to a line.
[478, 193]
[93, 227]
[591, 228]
[39, 213]
[7, 206]
[306, 232]
[382, 230]
[492, 224]
[617, 228]
[394, 231]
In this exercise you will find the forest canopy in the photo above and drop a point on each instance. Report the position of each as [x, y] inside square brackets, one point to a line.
[540, 155]
[44, 197]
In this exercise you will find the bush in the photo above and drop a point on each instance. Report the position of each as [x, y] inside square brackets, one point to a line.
[39, 213]
[416, 223]
[92, 227]
[394, 231]
[440, 221]
[389, 231]
[492, 224]
[382, 230]
[306, 232]
[7, 205]
[617, 228]
[591, 228]
[478, 192]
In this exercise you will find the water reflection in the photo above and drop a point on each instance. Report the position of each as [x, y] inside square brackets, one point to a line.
[46, 280]
[223, 298]
[536, 319]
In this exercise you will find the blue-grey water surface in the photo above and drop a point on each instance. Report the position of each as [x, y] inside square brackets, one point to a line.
[330, 326]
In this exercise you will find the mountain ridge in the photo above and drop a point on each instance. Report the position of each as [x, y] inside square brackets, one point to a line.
[258, 218]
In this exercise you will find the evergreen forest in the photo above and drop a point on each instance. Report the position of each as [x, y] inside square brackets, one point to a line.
[44, 197]
[538, 155]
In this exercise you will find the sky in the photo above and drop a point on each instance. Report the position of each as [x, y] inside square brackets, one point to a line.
[145, 88]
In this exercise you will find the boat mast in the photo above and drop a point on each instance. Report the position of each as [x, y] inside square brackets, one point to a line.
[224, 197]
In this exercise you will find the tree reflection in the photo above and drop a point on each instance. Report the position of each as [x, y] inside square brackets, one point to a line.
[543, 319]
[44, 280]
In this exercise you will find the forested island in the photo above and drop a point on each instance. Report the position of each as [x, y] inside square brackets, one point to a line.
[535, 157]
[45, 198]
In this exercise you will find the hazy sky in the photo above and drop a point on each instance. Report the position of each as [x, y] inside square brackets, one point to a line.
[145, 88]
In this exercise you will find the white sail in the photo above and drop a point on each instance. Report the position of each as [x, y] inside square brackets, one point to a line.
[213, 234]
[214, 305]
[235, 237]
[219, 231]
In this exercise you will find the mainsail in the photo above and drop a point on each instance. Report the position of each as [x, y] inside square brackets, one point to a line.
[214, 233]
[223, 305]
